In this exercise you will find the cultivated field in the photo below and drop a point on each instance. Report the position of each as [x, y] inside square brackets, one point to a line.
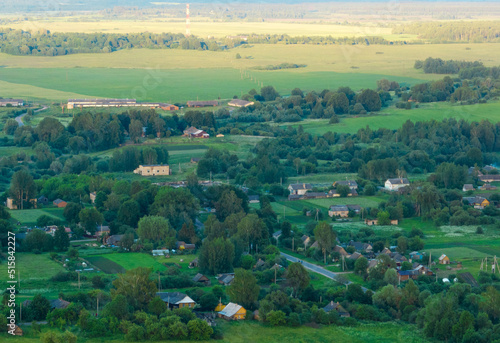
[29, 217]
[180, 75]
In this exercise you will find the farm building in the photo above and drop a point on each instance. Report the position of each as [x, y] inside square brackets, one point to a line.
[253, 199]
[200, 278]
[86, 103]
[332, 306]
[315, 195]
[240, 103]
[101, 230]
[193, 263]
[334, 194]
[490, 178]
[371, 222]
[443, 259]
[338, 211]
[60, 203]
[114, 239]
[467, 187]
[340, 250]
[488, 187]
[153, 169]
[11, 102]
[415, 255]
[477, 201]
[202, 103]
[404, 275]
[350, 183]
[395, 184]
[299, 188]
[233, 311]
[176, 299]
[193, 132]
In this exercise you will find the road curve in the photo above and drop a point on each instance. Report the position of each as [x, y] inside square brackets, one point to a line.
[19, 119]
[317, 269]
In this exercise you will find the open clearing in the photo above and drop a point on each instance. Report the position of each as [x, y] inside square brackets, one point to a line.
[393, 118]
[30, 216]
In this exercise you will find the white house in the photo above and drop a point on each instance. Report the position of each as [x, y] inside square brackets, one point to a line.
[395, 184]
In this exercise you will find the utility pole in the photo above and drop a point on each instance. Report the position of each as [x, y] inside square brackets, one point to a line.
[293, 243]
[98, 306]
[78, 280]
[275, 271]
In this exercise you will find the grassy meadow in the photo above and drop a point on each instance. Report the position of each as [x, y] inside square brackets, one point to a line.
[181, 75]
[29, 217]
[393, 118]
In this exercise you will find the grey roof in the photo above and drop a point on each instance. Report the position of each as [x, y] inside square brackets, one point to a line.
[199, 278]
[172, 297]
[59, 303]
[474, 200]
[253, 197]
[355, 208]
[355, 256]
[58, 201]
[226, 278]
[339, 208]
[359, 245]
[468, 186]
[277, 234]
[114, 239]
[334, 306]
[489, 177]
[230, 309]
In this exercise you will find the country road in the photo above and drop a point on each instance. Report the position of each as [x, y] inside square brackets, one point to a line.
[317, 269]
[19, 119]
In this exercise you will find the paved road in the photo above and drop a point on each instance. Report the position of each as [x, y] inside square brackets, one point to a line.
[19, 119]
[317, 269]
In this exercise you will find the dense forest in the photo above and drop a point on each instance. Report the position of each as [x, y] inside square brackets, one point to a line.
[444, 32]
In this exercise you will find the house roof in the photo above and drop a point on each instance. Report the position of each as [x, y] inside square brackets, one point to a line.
[179, 244]
[356, 208]
[199, 277]
[355, 256]
[372, 264]
[468, 186]
[253, 197]
[407, 272]
[339, 208]
[304, 238]
[113, 239]
[174, 297]
[485, 178]
[240, 103]
[226, 278]
[442, 257]
[359, 245]
[58, 201]
[474, 200]
[334, 306]
[400, 181]
[59, 303]
[277, 234]
[230, 310]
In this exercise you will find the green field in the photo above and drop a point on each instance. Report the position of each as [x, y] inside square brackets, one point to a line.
[105, 264]
[180, 75]
[251, 331]
[393, 118]
[32, 267]
[29, 217]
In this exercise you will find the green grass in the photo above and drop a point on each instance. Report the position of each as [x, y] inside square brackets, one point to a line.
[393, 118]
[359, 200]
[134, 260]
[32, 267]
[26, 217]
[251, 331]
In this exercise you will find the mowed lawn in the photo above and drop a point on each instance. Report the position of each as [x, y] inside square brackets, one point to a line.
[393, 118]
[30, 216]
[32, 267]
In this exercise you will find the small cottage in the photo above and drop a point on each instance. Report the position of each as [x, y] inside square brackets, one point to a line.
[233, 311]
[176, 299]
[443, 259]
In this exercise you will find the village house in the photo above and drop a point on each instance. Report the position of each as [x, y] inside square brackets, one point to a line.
[202, 103]
[193, 132]
[299, 188]
[334, 194]
[355, 256]
[60, 203]
[305, 240]
[233, 311]
[102, 230]
[277, 234]
[489, 168]
[181, 245]
[176, 299]
[467, 187]
[473, 170]
[443, 259]
[372, 264]
[415, 255]
[359, 246]
[153, 170]
[315, 195]
[332, 306]
[253, 199]
[92, 196]
[350, 183]
[395, 184]
[200, 278]
[355, 208]
[193, 263]
[477, 201]
[338, 211]
[240, 103]
[87, 103]
[225, 279]
[404, 275]
[59, 304]
[488, 187]
[9, 203]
